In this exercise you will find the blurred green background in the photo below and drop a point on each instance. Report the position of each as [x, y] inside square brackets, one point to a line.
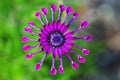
[105, 49]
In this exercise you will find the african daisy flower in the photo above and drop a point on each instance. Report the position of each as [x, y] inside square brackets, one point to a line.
[56, 38]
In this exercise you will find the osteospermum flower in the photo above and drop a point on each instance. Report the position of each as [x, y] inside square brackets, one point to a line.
[56, 38]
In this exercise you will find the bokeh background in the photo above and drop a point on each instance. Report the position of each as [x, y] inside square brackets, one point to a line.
[103, 63]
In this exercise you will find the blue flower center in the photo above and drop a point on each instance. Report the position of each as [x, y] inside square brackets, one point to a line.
[56, 39]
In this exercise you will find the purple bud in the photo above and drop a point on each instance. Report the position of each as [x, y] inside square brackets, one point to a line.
[61, 70]
[76, 14]
[45, 11]
[53, 6]
[53, 71]
[85, 51]
[38, 14]
[81, 60]
[88, 38]
[62, 7]
[26, 47]
[29, 56]
[38, 66]
[31, 23]
[75, 65]
[69, 10]
[84, 24]
[28, 29]
[25, 39]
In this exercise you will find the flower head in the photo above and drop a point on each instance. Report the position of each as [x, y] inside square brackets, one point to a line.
[56, 38]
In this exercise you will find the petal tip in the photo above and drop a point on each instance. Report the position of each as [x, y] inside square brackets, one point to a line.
[45, 11]
[26, 47]
[25, 39]
[38, 14]
[84, 24]
[38, 66]
[76, 14]
[61, 70]
[29, 56]
[53, 71]
[62, 7]
[81, 60]
[31, 23]
[75, 65]
[69, 9]
[89, 38]
[53, 6]
[86, 51]
[28, 29]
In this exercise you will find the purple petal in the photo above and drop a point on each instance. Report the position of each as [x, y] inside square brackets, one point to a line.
[50, 27]
[49, 50]
[69, 44]
[64, 50]
[54, 26]
[43, 40]
[62, 27]
[70, 38]
[44, 44]
[68, 34]
[46, 47]
[45, 32]
[58, 25]
[47, 28]
[65, 29]
[55, 52]
[66, 46]
[43, 35]
[59, 50]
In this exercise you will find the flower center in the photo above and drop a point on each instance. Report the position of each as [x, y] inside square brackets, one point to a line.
[56, 39]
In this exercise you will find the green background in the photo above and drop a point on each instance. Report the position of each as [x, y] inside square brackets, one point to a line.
[14, 16]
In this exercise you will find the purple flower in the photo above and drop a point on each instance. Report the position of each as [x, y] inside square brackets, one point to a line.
[56, 38]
